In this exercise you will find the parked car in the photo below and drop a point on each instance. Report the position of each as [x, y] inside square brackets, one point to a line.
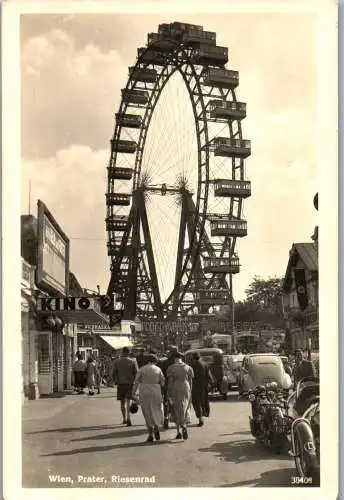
[214, 358]
[232, 365]
[261, 369]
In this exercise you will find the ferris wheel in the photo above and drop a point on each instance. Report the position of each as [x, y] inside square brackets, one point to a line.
[176, 178]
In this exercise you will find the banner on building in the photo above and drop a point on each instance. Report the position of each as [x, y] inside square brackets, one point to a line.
[301, 288]
[164, 327]
[53, 253]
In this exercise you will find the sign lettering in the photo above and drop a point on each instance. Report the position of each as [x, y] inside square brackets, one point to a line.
[67, 304]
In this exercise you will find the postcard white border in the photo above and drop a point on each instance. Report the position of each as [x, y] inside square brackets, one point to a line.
[328, 227]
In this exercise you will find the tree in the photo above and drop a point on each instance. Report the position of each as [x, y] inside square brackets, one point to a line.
[263, 302]
[266, 294]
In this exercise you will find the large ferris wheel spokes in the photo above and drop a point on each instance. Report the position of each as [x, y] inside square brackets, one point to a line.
[210, 105]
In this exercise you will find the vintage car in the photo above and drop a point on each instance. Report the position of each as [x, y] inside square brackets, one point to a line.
[232, 365]
[213, 357]
[260, 369]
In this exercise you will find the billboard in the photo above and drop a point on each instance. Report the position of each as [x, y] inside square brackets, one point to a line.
[53, 253]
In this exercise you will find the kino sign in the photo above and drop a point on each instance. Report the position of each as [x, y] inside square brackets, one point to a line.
[50, 304]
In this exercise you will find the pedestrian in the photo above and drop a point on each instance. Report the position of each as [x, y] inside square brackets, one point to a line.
[123, 374]
[179, 376]
[79, 371]
[149, 382]
[303, 368]
[91, 374]
[98, 374]
[141, 358]
[200, 388]
[164, 365]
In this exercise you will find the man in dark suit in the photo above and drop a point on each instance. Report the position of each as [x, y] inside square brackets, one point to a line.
[164, 365]
[303, 367]
[202, 380]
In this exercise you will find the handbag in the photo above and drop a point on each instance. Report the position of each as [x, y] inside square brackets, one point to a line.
[134, 407]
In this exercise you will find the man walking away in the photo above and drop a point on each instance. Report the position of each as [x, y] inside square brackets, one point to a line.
[79, 371]
[123, 374]
[303, 368]
[202, 380]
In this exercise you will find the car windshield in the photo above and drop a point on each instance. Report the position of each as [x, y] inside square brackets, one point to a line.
[207, 358]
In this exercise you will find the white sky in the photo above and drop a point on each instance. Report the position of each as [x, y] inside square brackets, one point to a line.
[73, 68]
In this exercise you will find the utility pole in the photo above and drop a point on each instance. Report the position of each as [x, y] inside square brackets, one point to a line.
[232, 310]
[30, 197]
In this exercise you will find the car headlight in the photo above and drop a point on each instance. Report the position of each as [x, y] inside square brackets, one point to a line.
[252, 397]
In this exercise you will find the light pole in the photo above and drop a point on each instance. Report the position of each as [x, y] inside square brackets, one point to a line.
[232, 309]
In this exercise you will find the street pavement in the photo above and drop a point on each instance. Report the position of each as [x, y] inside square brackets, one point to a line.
[79, 441]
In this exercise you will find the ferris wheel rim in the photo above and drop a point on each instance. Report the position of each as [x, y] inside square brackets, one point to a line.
[172, 58]
[200, 218]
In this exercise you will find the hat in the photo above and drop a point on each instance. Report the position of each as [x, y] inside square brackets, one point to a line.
[134, 407]
[177, 354]
[151, 358]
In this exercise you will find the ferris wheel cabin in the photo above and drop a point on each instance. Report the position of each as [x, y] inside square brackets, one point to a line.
[223, 78]
[223, 146]
[122, 146]
[117, 199]
[196, 37]
[128, 120]
[176, 30]
[231, 227]
[227, 109]
[161, 44]
[146, 75]
[135, 96]
[113, 246]
[150, 56]
[208, 54]
[232, 187]
[116, 222]
[213, 297]
[221, 265]
[120, 173]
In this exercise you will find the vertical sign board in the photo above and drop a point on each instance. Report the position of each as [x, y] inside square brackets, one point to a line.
[53, 253]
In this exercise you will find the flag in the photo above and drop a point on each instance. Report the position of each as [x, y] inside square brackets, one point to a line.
[301, 288]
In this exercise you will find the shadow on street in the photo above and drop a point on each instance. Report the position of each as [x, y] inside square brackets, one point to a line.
[81, 429]
[114, 435]
[94, 449]
[242, 451]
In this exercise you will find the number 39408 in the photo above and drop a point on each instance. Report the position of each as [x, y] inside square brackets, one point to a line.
[301, 480]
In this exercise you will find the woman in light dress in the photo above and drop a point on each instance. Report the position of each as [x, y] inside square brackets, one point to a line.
[149, 382]
[179, 387]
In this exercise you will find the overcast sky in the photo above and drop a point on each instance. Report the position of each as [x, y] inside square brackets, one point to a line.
[73, 68]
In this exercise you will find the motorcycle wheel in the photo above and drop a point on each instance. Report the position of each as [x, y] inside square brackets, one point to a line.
[306, 465]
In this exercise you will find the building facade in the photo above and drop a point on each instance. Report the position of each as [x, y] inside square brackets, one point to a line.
[300, 296]
[52, 305]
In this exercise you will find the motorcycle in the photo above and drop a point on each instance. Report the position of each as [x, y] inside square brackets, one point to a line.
[305, 430]
[270, 423]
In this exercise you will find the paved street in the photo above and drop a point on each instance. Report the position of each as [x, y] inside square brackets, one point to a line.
[77, 435]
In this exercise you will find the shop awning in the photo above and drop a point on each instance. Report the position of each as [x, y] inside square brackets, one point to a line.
[83, 317]
[117, 341]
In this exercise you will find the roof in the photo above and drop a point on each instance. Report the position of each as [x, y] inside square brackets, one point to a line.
[309, 255]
